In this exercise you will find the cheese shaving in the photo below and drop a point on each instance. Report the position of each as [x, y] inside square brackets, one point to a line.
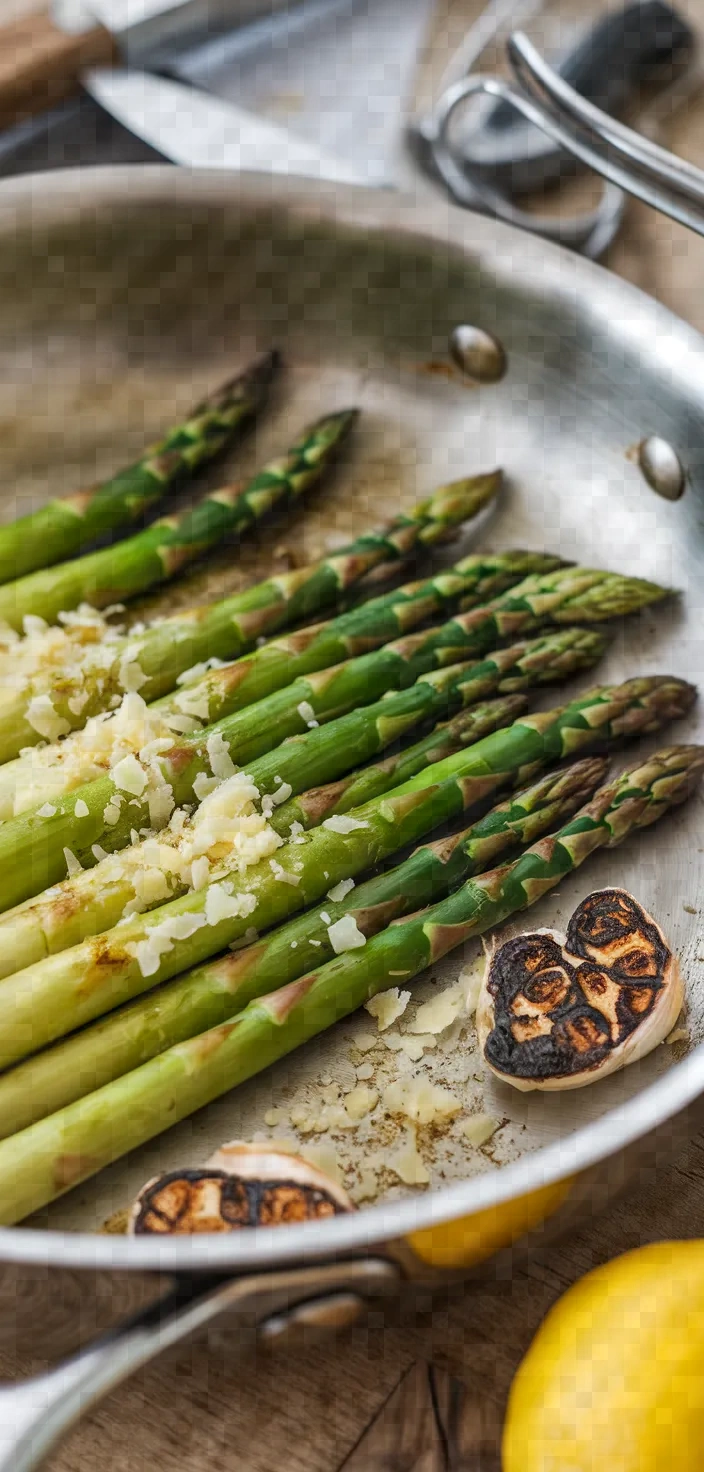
[408, 1164]
[388, 1006]
[341, 890]
[413, 1048]
[307, 714]
[44, 718]
[479, 1129]
[129, 776]
[284, 875]
[221, 763]
[343, 823]
[418, 1099]
[345, 935]
[360, 1102]
[440, 1012]
[73, 865]
[161, 939]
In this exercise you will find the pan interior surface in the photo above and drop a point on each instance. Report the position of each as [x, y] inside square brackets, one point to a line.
[123, 299]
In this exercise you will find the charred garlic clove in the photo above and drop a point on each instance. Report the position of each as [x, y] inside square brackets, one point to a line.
[559, 1012]
[239, 1186]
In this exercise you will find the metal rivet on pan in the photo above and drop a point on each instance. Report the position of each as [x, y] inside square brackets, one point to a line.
[662, 467]
[478, 354]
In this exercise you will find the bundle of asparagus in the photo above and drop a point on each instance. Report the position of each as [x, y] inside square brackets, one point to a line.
[65, 991]
[40, 777]
[147, 873]
[64, 527]
[154, 660]
[167, 546]
[54, 1154]
[200, 1000]
[107, 811]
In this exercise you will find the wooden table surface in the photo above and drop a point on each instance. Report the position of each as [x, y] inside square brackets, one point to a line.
[206, 1412]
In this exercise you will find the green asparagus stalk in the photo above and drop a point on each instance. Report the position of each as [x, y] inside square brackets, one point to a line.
[65, 991]
[51, 1156]
[203, 998]
[159, 553]
[227, 629]
[65, 527]
[37, 840]
[95, 900]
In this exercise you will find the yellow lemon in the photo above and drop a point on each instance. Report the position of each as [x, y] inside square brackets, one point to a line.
[614, 1379]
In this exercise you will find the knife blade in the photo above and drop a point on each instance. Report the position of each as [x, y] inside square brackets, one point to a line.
[43, 54]
[201, 131]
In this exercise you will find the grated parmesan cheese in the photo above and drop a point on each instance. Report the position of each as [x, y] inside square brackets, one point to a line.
[412, 1048]
[343, 823]
[408, 1164]
[360, 1102]
[479, 1129]
[203, 786]
[160, 940]
[440, 1012]
[129, 776]
[284, 875]
[417, 1099]
[339, 891]
[388, 1006]
[221, 763]
[219, 905]
[81, 809]
[44, 718]
[307, 714]
[345, 935]
[73, 865]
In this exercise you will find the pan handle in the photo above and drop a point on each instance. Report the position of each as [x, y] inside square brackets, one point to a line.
[36, 1414]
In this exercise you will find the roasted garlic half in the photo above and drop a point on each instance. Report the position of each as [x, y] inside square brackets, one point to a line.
[560, 1012]
[239, 1186]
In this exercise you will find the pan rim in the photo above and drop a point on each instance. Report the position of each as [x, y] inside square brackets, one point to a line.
[42, 198]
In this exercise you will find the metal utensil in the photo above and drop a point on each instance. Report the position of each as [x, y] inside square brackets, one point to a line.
[160, 279]
[203, 132]
[629, 161]
[500, 153]
[643, 42]
[326, 86]
[43, 54]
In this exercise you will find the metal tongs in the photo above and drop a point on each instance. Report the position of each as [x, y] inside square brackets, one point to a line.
[500, 155]
[627, 159]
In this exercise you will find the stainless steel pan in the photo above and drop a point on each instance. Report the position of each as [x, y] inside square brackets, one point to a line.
[122, 291]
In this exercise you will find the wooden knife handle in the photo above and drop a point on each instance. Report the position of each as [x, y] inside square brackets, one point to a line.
[40, 64]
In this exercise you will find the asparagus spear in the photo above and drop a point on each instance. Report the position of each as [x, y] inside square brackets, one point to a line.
[63, 992]
[158, 553]
[42, 1162]
[95, 900]
[203, 998]
[227, 629]
[64, 527]
[39, 777]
